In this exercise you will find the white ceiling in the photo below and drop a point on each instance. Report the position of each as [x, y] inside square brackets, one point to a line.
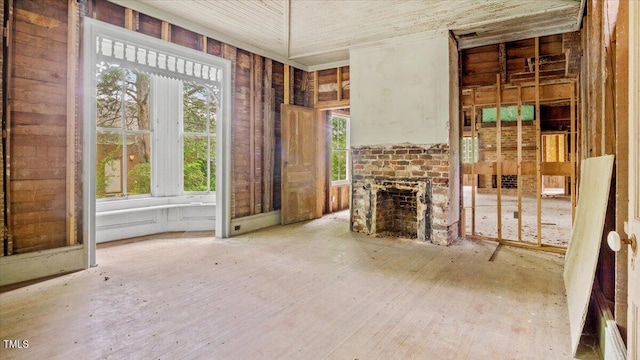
[317, 34]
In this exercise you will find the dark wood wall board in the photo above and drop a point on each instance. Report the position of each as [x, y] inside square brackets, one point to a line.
[38, 121]
[186, 38]
[109, 13]
[149, 25]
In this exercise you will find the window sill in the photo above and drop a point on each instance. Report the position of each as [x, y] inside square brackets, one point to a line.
[117, 207]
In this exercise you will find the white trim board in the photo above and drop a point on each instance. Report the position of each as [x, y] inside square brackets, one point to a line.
[39, 264]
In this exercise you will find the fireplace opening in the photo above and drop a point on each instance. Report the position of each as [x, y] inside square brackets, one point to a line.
[397, 213]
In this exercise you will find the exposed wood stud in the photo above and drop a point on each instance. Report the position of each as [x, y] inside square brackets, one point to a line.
[474, 177]
[72, 55]
[338, 82]
[6, 131]
[252, 138]
[502, 59]
[166, 31]
[203, 43]
[538, 144]
[287, 85]
[499, 155]
[269, 137]
[573, 153]
[315, 88]
[519, 160]
[129, 19]
[258, 139]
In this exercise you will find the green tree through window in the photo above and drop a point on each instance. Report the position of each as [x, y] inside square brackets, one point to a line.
[339, 148]
[123, 132]
[199, 142]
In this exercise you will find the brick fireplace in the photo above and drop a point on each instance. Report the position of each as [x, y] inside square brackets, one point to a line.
[402, 190]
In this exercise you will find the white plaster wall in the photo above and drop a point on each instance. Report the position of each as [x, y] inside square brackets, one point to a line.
[400, 91]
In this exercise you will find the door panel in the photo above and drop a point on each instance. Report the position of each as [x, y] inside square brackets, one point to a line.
[633, 226]
[300, 165]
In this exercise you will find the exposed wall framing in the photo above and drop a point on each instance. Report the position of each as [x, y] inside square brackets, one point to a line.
[535, 71]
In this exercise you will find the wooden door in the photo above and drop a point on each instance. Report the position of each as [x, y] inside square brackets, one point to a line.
[632, 227]
[301, 173]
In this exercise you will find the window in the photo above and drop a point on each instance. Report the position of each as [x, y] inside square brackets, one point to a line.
[469, 149]
[123, 132]
[198, 137]
[339, 148]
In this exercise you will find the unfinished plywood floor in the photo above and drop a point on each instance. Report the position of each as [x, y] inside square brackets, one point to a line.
[311, 290]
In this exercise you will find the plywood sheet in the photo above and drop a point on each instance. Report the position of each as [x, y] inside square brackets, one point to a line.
[582, 255]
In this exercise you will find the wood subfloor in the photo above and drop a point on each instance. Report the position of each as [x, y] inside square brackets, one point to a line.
[312, 290]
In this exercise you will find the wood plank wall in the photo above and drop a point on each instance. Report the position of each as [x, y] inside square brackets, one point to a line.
[255, 113]
[605, 80]
[2, 114]
[38, 103]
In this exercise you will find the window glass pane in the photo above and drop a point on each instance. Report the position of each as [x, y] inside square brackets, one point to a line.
[137, 100]
[109, 97]
[195, 107]
[339, 133]
[138, 164]
[212, 163]
[195, 163]
[338, 165]
[109, 172]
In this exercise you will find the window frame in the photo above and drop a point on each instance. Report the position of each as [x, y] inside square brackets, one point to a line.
[347, 151]
[208, 67]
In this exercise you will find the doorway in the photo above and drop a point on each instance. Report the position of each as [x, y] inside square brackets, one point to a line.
[338, 160]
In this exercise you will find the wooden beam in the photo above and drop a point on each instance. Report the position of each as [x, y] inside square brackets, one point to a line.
[333, 105]
[502, 59]
[499, 156]
[203, 43]
[258, 138]
[6, 133]
[538, 144]
[474, 177]
[572, 155]
[72, 146]
[548, 93]
[287, 84]
[252, 137]
[519, 161]
[316, 87]
[339, 83]
[269, 137]
[165, 33]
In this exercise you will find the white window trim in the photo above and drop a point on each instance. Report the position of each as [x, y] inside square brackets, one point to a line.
[92, 30]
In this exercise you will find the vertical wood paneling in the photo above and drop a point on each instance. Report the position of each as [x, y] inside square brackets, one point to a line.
[38, 207]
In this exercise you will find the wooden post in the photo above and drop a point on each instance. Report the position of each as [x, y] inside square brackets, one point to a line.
[499, 154]
[204, 43]
[502, 58]
[128, 18]
[72, 56]
[287, 84]
[258, 139]
[538, 144]
[269, 134]
[339, 83]
[252, 139]
[316, 86]
[166, 31]
[519, 160]
[474, 177]
[573, 155]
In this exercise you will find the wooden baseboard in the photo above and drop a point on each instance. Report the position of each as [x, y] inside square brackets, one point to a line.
[39, 264]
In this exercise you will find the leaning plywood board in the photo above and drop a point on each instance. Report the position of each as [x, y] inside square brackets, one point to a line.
[582, 254]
